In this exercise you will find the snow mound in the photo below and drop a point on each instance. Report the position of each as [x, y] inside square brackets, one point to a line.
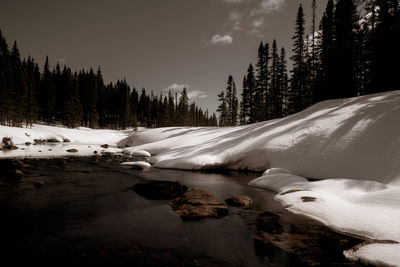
[133, 152]
[280, 182]
[356, 138]
[376, 254]
[142, 165]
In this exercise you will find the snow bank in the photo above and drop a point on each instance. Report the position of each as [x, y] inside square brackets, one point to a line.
[376, 254]
[86, 141]
[79, 135]
[356, 138]
[353, 143]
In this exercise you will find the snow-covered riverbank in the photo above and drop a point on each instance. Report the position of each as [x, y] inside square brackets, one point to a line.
[355, 143]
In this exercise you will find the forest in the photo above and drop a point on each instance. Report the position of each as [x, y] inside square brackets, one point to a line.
[353, 52]
[60, 96]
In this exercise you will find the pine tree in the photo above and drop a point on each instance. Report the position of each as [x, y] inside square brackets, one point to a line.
[222, 110]
[346, 27]
[250, 94]
[325, 82]
[297, 88]
[274, 88]
[283, 84]
[47, 98]
[243, 104]
[183, 108]
[231, 102]
[261, 99]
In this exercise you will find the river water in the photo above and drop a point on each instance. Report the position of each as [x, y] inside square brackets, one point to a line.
[87, 213]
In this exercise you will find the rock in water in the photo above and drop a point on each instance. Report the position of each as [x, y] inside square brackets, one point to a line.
[154, 189]
[72, 150]
[239, 201]
[39, 184]
[7, 142]
[104, 146]
[197, 203]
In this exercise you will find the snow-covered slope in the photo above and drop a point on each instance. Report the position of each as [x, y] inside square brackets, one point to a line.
[357, 138]
[354, 143]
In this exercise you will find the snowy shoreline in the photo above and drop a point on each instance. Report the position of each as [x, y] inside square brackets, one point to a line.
[351, 145]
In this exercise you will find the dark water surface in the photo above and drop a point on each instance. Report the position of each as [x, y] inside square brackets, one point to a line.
[87, 213]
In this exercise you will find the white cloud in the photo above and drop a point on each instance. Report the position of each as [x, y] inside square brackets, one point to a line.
[271, 5]
[235, 16]
[258, 23]
[221, 40]
[176, 87]
[197, 94]
[192, 94]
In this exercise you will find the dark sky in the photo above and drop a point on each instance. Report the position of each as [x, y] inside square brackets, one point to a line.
[156, 44]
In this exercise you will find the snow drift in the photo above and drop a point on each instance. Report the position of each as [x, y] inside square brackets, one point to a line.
[353, 143]
[356, 138]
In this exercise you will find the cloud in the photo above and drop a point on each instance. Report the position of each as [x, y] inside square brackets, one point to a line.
[218, 39]
[258, 23]
[235, 16]
[221, 40]
[192, 94]
[267, 6]
[197, 94]
[176, 87]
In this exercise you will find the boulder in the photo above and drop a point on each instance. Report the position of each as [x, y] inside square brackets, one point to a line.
[154, 189]
[197, 203]
[104, 146]
[39, 184]
[28, 143]
[72, 150]
[239, 201]
[7, 142]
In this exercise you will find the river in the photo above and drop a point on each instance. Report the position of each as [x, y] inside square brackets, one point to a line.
[86, 212]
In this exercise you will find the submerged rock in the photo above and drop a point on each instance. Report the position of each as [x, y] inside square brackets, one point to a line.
[154, 189]
[198, 203]
[39, 184]
[239, 201]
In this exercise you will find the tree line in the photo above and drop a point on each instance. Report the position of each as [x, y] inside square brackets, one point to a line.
[354, 51]
[61, 96]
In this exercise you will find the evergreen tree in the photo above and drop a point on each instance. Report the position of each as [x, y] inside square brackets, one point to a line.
[223, 119]
[283, 84]
[47, 97]
[261, 99]
[275, 90]
[346, 28]
[243, 105]
[297, 88]
[183, 108]
[250, 94]
[231, 102]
